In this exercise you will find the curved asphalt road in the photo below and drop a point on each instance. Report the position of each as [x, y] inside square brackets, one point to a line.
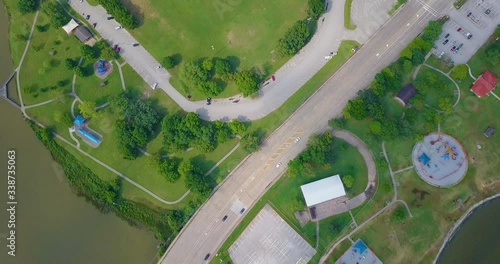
[205, 232]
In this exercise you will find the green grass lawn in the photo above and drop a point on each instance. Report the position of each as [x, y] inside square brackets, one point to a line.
[41, 70]
[50, 115]
[438, 64]
[246, 32]
[88, 88]
[347, 15]
[432, 97]
[19, 25]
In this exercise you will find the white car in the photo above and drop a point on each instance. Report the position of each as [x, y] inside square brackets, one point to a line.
[118, 27]
[278, 165]
[154, 86]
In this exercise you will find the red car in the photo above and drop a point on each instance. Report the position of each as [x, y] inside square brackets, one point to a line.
[118, 50]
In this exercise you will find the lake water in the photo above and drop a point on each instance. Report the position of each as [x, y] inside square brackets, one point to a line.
[53, 225]
[478, 239]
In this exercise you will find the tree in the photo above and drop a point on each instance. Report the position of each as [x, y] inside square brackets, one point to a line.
[418, 57]
[356, 109]
[493, 52]
[193, 178]
[108, 54]
[319, 149]
[295, 166]
[316, 8]
[295, 38]
[27, 6]
[79, 71]
[193, 73]
[250, 142]
[210, 88]
[348, 181]
[70, 64]
[432, 31]
[247, 83]
[87, 109]
[460, 72]
[64, 118]
[338, 123]
[389, 129]
[120, 12]
[407, 53]
[375, 127]
[223, 133]
[168, 168]
[407, 66]
[207, 64]
[237, 127]
[223, 69]
[168, 62]
[399, 215]
[445, 105]
[376, 111]
[88, 52]
[58, 16]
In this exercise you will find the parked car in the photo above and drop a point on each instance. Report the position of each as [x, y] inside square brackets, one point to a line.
[207, 256]
[459, 29]
[135, 44]
[209, 100]
[110, 17]
[446, 42]
[447, 35]
[242, 210]
[118, 27]
[224, 218]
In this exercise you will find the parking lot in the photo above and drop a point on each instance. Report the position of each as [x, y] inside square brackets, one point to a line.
[269, 239]
[467, 30]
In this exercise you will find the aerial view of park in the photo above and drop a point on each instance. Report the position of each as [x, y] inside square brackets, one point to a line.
[230, 131]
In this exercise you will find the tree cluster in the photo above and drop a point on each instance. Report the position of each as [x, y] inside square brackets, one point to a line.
[319, 151]
[183, 132]
[27, 6]
[460, 72]
[194, 178]
[493, 52]
[429, 81]
[207, 76]
[56, 13]
[137, 126]
[316, 8]
[120, 12]
[295, 38]
[247, 82]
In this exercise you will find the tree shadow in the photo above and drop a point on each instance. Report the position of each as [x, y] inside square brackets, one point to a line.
[135, 10]
[177, 58]
[235, 62]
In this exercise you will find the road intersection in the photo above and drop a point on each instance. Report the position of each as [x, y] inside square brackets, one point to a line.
[205, 232]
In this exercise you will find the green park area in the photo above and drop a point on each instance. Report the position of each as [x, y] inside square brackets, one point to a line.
[377, 119]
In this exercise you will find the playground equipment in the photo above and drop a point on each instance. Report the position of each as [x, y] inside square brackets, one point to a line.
[449, 150]
[101, 67]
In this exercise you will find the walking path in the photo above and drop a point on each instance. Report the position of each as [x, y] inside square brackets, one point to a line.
[470, 72]
[121, 74]
[451, 79]
[293, 75]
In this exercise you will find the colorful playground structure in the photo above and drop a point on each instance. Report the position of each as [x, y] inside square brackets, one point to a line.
[102, 68]
[440, 160]
[88, 135]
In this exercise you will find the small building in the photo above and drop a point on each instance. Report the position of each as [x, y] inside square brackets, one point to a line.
[484, 84]
[82, 34]
[359, 253]
[79, 121]
[406, 94]
[72, 25]
[490, 131]
[89, 136]
[323, 190]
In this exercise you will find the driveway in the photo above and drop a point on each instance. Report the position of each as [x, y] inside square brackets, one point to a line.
[289, 78]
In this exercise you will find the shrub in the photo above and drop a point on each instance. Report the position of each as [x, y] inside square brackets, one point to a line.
[250, 142]
[27, 6]
[348, 181]
[70, 64]
[210, 88]
[316, 8]
[168, 62]
[79, 71]
[460, 72]
[88, 52]
[193, 73]
[295, 38]
[56, 13]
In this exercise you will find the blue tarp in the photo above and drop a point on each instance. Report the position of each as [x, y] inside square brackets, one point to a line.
[89, 136]
[79, 120]
[424, 159]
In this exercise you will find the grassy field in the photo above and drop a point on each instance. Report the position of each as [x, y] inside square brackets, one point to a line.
[432, 97]
[19, 29]
[347, 16]
[438, 64]
[88, 88]
[246, 32]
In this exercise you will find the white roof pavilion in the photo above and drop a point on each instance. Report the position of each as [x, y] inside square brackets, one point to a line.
[323, 190]
[72, 24]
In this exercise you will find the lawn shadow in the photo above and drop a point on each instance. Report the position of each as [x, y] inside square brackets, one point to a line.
[135, 10]
[235, 62]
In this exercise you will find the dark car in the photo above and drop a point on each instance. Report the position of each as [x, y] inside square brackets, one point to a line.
[470, 13]
[453, 48]
[207, 256]
[135, 44]
[110, 17]
[209, 101]
[224, 218]
[460, 46]
[447, 35]
[242, 210]
[445, 42]
[469, 36]
[459, 29]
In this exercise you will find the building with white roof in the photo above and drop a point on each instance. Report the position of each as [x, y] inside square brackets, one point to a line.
[323, 190]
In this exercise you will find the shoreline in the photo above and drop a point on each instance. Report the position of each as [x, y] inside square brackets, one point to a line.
[459, 223]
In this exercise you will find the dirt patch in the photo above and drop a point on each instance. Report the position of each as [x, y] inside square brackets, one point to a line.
[419, 193]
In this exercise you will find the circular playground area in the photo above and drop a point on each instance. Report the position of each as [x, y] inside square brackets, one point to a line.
[103, 68]
[440, 160]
